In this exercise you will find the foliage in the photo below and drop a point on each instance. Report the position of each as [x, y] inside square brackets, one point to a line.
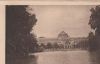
[49, 45]
[95, 25]
[95, 19]
[92, 43]
[19, 24]
[55, 45]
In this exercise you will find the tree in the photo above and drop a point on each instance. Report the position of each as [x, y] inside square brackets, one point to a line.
[49, 45]
[33, 47]
[55, 45]
[42, 45]
[95, 19]
[91, 40]
[19, 23]
[95, 24]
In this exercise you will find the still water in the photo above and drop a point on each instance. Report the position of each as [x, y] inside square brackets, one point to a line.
[59, 57]
[62, 57]
[66, 57]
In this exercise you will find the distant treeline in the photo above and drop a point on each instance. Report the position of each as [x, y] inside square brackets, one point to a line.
[67, 45]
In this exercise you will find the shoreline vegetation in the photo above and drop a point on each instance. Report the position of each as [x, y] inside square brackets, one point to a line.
[19, 24]
[19, 40]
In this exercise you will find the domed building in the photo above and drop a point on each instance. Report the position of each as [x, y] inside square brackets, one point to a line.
[63, 38]
[63, 35]
[64, 41]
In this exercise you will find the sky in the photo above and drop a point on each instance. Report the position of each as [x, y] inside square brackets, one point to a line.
[52, 19]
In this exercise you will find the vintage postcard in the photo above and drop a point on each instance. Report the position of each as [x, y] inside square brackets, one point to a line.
[52, 34]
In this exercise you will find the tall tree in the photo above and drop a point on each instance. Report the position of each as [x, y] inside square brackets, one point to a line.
[95, 24]
[19, 24]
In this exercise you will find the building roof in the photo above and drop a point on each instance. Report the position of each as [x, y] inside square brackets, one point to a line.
[63, 33]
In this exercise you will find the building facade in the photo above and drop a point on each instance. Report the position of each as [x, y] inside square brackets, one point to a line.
[64, 41]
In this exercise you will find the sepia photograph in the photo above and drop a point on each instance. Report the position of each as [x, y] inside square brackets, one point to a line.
[52, 34]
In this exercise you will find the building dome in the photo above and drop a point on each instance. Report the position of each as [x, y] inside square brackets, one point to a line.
[63, 35]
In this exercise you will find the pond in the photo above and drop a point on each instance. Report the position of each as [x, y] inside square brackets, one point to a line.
[59, 57]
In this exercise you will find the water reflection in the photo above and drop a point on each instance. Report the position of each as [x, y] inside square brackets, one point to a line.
[22, 60]
[62, 57]
[59, 57]
[95, 57]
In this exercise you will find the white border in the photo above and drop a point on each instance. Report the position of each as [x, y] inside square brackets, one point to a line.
[48, 3]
